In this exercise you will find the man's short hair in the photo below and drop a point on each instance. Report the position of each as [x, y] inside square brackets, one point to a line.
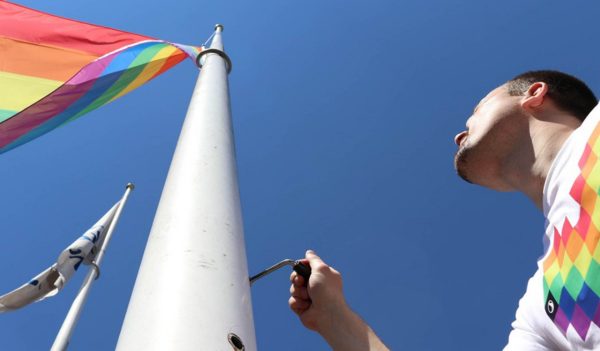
[567, 92]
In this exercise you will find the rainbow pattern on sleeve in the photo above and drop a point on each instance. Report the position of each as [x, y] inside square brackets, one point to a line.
[572, 267]
[53, 70]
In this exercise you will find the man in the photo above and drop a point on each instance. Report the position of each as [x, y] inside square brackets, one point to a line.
[536, 134]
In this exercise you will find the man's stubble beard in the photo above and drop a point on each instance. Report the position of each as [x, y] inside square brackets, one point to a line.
[461, 163]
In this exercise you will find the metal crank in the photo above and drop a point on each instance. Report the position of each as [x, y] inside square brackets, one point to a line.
[299, 267]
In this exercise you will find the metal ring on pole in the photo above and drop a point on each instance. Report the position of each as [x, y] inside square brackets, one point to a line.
[96, 268]
[214, 51]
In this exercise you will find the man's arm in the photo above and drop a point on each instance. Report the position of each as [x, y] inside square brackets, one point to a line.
[321, 306]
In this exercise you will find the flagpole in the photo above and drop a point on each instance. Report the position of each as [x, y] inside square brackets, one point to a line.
[192, 290]
[66, 330]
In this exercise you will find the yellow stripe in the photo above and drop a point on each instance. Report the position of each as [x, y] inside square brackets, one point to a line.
[149, 71]
[19, 91]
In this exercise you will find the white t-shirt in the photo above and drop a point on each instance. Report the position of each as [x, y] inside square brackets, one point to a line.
[561, 307]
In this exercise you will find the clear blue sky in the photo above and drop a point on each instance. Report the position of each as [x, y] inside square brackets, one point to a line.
[344, 114]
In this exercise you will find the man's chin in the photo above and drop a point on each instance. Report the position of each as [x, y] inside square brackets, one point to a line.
[460, 165]
[464, 176]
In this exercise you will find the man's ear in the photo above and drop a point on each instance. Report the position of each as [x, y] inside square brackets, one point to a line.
[535, 95]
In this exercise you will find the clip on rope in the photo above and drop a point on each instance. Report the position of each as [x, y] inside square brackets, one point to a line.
[299, 267]
[95, 268]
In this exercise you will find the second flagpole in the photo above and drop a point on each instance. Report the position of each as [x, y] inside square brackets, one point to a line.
[66, 330]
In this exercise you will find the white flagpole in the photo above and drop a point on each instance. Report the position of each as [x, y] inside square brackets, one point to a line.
[66, 330]
[192, 290]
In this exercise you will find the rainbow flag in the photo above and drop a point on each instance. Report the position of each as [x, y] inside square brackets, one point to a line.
[53, 69]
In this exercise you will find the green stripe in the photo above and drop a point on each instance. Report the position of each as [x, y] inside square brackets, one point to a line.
[6, 114]
[128, 76]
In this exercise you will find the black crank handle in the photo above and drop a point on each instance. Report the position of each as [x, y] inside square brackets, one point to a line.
[302, 270]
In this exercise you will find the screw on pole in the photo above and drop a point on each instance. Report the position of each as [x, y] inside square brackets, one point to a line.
[236, 342]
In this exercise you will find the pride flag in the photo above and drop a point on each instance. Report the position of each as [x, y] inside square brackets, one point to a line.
[53, 69]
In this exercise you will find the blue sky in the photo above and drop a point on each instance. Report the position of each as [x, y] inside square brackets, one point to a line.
[344, 114]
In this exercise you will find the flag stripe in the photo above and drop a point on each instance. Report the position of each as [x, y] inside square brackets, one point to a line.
[35, 46]
[129, 72]
[17, 91]
[72, 100]
[175, 59]
[46, 29]
[64, 102]
[151, 69]
[127, 76]
[4, 114]
[41, 61]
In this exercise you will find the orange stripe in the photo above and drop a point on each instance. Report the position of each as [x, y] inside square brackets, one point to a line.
[41, 61]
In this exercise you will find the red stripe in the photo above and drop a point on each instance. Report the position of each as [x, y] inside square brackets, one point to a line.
[21, 23]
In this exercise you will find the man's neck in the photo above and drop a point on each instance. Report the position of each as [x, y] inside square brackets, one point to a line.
[546, 138]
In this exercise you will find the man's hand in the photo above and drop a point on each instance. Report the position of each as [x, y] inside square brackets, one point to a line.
[321, 306]
[320, 302]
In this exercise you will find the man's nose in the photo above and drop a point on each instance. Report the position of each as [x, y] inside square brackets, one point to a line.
[459, 137]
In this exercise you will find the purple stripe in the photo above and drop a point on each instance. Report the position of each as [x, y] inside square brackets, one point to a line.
[92, 70]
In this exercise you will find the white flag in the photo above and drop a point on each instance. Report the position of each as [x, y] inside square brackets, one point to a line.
[50, 281]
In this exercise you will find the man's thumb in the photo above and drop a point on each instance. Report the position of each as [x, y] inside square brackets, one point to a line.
[312, 257]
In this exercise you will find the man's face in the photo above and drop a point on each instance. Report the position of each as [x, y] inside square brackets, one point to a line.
[491, 135]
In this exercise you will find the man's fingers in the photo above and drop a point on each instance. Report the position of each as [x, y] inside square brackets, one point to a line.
[298, 305]
[299, 291]
[298, 280]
